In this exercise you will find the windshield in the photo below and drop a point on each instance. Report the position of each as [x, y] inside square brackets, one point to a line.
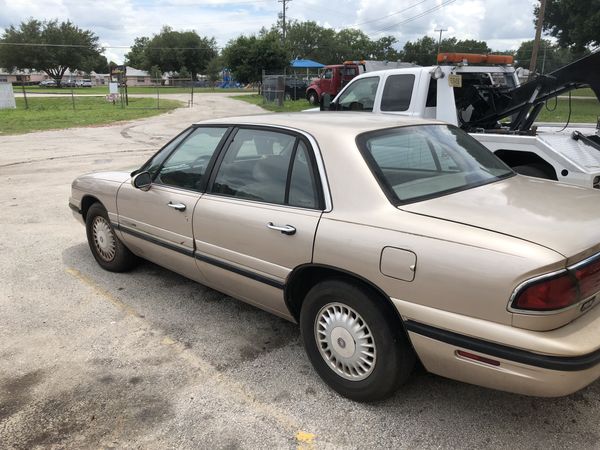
[426, 161]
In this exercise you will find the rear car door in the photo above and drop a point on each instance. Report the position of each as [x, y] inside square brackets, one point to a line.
[258, 218]
[157, 223]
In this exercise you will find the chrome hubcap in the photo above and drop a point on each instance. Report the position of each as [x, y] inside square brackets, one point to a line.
[345, 341]
[104, 238]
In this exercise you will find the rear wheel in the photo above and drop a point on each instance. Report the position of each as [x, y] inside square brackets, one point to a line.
[106, 247]
[354, 344]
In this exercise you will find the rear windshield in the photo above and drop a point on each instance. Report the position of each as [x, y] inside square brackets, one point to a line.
[427, 161]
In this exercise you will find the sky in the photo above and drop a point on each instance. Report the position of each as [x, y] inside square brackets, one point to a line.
[504, 24]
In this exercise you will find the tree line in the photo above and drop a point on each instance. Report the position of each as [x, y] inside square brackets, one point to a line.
[54, 47]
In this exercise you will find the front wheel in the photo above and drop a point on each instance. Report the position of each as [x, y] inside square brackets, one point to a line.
[313, 98]
[107, 248]
[354, 344]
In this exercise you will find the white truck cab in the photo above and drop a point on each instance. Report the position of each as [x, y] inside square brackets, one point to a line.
[487, 101]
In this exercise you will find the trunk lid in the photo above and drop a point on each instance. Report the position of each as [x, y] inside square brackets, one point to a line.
[561, 217]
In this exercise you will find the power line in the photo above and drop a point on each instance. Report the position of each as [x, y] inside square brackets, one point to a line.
[392, 14]
[418, 16]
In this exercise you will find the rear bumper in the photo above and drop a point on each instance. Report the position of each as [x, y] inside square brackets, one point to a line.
[544, 364]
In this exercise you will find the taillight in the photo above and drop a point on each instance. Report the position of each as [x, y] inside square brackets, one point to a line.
[549, 294]
[588, 277]
[569, 287]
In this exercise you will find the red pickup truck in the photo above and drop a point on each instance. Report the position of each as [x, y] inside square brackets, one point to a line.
[333, 78]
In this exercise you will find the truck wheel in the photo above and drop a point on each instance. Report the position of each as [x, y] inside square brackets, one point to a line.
[313, 98]
[534, 170]
[354, 344]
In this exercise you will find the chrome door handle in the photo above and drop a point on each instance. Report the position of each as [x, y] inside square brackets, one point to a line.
[286, 229]
[177, 206]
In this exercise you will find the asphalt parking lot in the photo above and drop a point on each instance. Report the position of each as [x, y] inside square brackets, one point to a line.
[149, 359]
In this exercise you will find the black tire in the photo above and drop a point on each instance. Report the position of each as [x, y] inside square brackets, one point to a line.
[313, 98]
[394, 357]
[114, 258]
[534, 170]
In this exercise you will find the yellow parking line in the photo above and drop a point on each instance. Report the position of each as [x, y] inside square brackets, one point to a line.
[306, 441]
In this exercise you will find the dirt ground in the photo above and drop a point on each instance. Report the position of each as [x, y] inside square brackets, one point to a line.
[148, 359]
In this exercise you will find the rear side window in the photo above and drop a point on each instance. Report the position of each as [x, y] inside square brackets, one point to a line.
[268, 166]
[397, 92]
[303, 187]
[255, 166]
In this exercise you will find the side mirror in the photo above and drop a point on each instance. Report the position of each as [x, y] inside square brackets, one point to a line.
[142, 181]
[325, 103]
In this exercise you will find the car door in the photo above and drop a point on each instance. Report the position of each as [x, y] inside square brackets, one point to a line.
[157, 223]
[258, 219]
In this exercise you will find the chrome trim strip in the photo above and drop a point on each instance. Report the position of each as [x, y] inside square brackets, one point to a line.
[201, 257]
[238, 270]
[587, 260]
[154, 240]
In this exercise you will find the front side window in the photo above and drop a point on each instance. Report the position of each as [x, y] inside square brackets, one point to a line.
[267, 166]
[427, 161]
[186, 166]
[360, 95]
[154, 164]
[328, 74]
[397, 92]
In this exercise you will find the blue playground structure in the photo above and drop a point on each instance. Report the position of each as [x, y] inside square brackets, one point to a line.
[228, 81]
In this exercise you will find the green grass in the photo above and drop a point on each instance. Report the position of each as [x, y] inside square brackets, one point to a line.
[583, 111]
[586, 92]
[288, 105]
[57, 113]
[150, 90]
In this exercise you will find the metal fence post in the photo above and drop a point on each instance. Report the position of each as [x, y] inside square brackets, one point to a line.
[192, 99]
[24, 93]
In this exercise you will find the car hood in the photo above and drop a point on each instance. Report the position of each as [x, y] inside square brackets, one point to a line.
[562, 217]
[118, 177]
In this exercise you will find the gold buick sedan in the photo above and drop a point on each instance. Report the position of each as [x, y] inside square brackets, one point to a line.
[387, 239]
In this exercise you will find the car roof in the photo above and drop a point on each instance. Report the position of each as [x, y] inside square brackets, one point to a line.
[325, 122]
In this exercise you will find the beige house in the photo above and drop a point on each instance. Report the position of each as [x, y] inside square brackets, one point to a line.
[137, 77]
[18, 76]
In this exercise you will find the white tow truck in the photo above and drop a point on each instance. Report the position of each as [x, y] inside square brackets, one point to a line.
[482, 95]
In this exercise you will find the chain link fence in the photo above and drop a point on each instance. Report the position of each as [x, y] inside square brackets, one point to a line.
[277, 88]
[129, 92]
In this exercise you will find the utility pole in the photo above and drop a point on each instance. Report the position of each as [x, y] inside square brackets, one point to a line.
[538, 36]
[284, 7]
[441, 30]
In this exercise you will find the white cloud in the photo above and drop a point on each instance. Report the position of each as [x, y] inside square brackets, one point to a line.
[503, 23]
